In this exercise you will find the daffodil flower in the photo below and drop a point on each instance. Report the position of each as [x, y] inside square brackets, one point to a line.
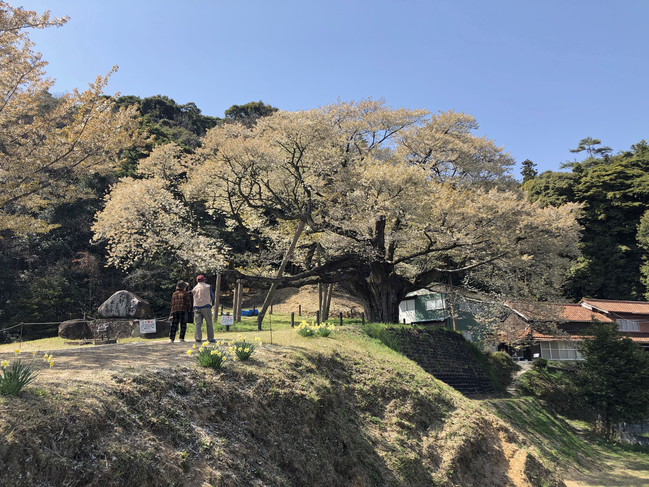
[17, 351]
[206, 343]
[194, 345]
[189, 352]
[5, 363]
[200, 349]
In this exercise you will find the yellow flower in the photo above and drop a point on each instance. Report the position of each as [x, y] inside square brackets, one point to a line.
[17, 351]
[200, 349]
[5, 363]
[218, 343]
[213, 352]
[189, 352]
[34, 353]
[234, 358]
[247, 350]
[206, 343]
[194, 345]
[51, 357]
[260, 343]
[51, 364]
[46, 356]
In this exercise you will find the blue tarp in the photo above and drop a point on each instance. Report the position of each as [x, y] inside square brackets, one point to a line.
[249, 312]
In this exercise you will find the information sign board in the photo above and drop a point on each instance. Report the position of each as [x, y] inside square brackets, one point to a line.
[227, 320]
[147, 326]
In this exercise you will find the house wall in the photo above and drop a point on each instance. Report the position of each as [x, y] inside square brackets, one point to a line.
[420, 314]
[643, 320]
[413, 310]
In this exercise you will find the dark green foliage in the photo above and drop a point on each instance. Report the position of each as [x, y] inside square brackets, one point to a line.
[249, 113]
[379, 331]
[613, 380]
[589, 145]
[614, 192]
[540, 363]
[556, 389]
[500, 367]
[643, 243]
[529, 170]
[503, 367]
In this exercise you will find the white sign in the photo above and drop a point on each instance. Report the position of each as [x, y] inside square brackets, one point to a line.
[147, 326]
[227, 320]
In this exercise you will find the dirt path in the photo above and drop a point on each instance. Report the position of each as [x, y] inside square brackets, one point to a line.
[97, 364]
[632, 471]
[525, 366]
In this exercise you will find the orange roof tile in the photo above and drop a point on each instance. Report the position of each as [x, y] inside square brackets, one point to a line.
[557, 312]
[613, 306]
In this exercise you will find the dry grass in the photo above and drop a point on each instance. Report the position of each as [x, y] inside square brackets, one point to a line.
[303, 411]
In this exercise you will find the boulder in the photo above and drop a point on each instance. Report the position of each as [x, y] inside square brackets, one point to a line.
[124, 304]
[75, 330]
[162, 328]
[114, 328]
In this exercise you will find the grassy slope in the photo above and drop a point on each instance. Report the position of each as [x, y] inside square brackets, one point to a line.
[338, 411]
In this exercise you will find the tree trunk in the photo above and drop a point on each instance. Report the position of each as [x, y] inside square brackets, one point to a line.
[380, 293]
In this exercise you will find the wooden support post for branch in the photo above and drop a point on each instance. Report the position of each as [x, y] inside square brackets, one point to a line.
[271, 308]
[340, 315]
[292, 319]
[240, 300]
[363, 318]
[235, 300]
[280, 271]
[299, 310]
[317, 317]
[330, 291]
[217, 297]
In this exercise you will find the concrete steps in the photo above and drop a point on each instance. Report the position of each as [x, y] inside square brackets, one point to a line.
[445, 355]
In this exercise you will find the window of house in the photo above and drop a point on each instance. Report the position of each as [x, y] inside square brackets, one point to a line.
[560, 350]
[628, 325]
[407, 305]
[467, 335]
[435, 303]
[469, 308]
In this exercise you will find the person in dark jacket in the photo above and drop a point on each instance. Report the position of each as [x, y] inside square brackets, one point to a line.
[181, 306]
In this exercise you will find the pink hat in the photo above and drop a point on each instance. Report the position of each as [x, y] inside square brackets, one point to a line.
[200, 278]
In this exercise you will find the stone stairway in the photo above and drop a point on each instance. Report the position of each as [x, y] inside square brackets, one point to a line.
[445, 355]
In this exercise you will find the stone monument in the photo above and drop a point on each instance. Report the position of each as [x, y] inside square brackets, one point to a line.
[124, 304]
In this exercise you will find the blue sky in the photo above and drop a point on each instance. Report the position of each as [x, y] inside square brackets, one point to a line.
[538, 76]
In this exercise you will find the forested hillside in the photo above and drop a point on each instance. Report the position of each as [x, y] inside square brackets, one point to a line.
[60, 274]
[614, 193]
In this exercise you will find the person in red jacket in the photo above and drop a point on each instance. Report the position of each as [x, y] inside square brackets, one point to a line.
[181, 306]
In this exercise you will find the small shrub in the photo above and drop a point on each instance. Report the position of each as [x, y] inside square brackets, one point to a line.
[311, 329]
[503, 367]
[540, 363]
[241, 348]
[17, 375]
[209, 356]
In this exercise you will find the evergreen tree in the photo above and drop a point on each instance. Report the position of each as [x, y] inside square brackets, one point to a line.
[614, 377]
[614, 193]
[529, 170]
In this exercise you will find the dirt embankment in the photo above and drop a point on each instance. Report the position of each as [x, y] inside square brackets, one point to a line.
[349, 413]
